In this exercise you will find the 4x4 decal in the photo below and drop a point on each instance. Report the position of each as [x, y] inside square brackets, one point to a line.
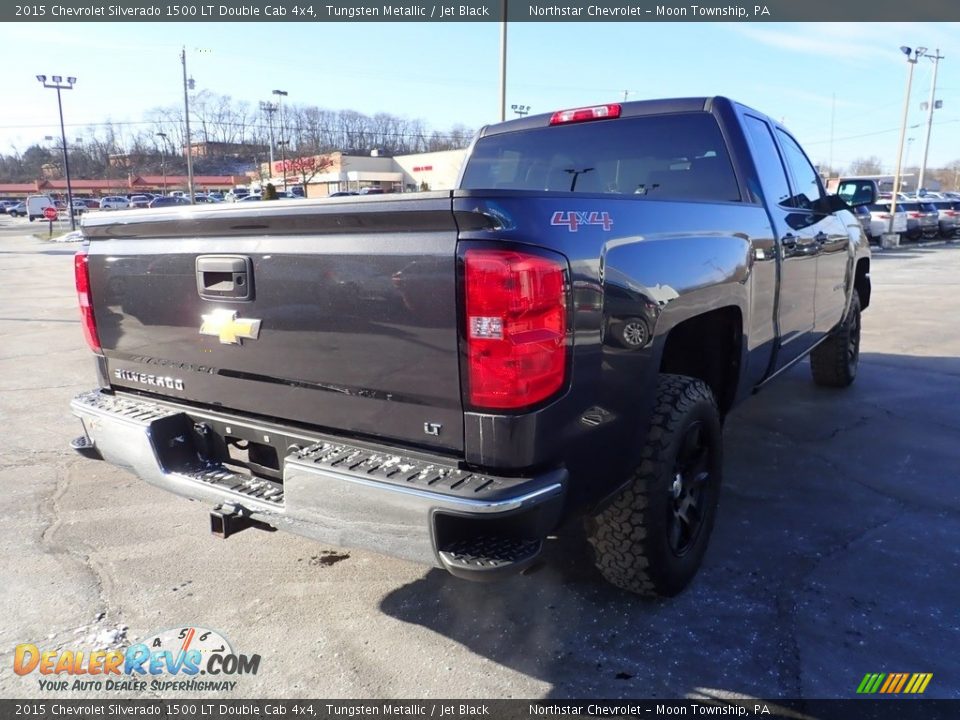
[573, 219]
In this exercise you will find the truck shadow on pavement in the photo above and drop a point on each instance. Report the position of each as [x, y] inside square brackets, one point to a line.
[834, 550]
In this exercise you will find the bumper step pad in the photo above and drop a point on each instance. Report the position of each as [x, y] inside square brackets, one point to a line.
[400, 470]
[487, 558]
[258, 488]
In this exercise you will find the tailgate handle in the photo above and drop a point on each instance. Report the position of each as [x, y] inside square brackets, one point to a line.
[225, 277]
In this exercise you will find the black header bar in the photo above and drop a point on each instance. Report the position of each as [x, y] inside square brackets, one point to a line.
[49, 708]
[481, 11]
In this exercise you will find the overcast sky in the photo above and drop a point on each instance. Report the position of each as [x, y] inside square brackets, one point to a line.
[801, 73]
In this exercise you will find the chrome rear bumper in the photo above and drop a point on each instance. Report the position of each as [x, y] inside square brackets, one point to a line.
[351, 495]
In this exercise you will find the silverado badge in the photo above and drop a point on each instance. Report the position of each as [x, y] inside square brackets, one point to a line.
[231, 330]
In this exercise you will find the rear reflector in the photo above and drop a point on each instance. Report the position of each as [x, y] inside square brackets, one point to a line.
[516, 308]
[597, 112]
[81, 274]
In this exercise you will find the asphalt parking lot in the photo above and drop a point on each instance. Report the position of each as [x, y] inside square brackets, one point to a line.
[835, 553]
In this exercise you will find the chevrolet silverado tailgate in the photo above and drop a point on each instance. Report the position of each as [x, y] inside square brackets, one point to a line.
[336, 314]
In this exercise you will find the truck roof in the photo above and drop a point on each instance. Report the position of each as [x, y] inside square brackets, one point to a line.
[635, 108]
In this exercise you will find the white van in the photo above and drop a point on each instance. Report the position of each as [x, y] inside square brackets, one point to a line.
[114, 202]
[35, 205]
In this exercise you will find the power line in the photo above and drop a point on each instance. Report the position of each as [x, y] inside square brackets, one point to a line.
[878, 132]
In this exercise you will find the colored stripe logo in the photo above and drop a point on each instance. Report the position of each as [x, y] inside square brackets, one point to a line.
[894, 683]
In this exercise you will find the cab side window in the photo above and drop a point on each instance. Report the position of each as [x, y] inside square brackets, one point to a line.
[773, 177]
[806, 182]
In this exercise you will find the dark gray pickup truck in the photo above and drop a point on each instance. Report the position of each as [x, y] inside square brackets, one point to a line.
[453, 377]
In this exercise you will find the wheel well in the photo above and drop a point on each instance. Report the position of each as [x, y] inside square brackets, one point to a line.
[708, 347]
[861, 282]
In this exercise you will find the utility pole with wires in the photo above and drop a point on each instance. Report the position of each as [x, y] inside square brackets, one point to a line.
[281, 94]
[187, 85]
[934, 104]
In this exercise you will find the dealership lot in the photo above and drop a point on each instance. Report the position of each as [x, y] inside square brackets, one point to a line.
[835, 554]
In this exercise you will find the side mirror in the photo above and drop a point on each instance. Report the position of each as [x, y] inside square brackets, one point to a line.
[835, 203]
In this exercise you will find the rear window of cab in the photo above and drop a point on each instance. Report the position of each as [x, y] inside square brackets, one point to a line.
[659, 157]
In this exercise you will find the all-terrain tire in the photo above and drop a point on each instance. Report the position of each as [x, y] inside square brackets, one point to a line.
[634, 538]
[834, 362]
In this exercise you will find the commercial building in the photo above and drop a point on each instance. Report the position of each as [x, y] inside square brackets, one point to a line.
[323, 175]
[122, 186]
[320, 175]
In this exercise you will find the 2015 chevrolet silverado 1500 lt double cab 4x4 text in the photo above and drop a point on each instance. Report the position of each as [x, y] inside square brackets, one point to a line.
[451, 377]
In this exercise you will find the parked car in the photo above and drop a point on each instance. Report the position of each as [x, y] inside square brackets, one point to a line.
[923, 220]
[236, 194]
[253, 197]
[863, 216]
[880, 219]
[947, 216]
[7, 204]
[79, 206]
[18, 210]
[215, 196]
[114, 202]
[168, 201]
[140, 201]
[343, 193]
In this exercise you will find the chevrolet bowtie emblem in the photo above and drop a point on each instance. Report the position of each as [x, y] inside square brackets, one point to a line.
[225, 325]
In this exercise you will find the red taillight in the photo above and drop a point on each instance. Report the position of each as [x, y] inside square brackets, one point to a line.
[81, 273]
[516, 310]
[597, 112]
[885, 216]
[913, 215]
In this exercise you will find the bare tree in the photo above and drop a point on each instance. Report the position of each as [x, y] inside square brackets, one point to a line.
[112, 150]
[866, 166]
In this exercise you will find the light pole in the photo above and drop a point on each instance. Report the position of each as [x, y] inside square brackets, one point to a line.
[281, 94]
[57, 84]
[520, 110]
[187, 84]
[282, 144]
[269, 109]
[912, 57]
[933, 105]
[503, 61]
[163, 159]
[906, 155]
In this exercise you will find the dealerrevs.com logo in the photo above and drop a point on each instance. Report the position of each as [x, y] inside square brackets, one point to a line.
[181, 659]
